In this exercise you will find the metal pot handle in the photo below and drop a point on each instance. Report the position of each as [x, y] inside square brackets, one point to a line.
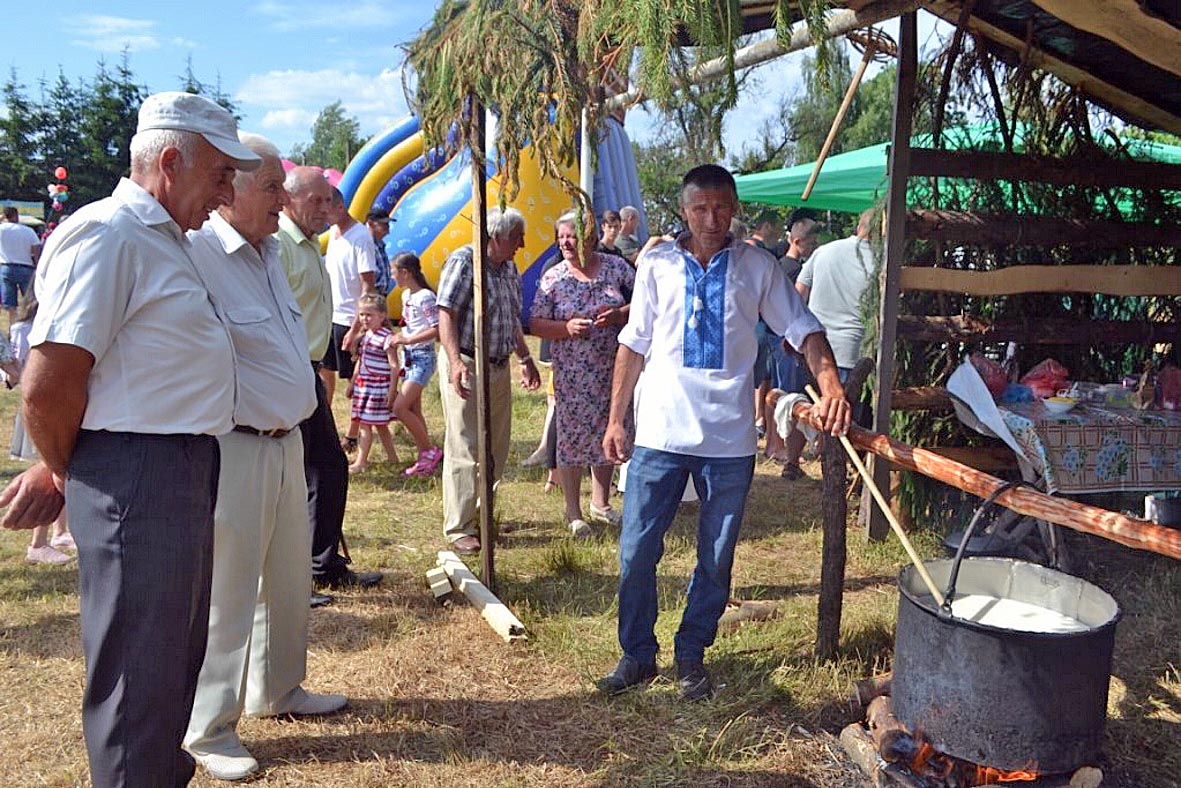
[949, 596]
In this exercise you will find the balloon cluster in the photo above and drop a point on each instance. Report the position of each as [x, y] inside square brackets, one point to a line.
[59, 193]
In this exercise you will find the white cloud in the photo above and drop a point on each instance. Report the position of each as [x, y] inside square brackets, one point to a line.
[287, 119]
[184, 43]
[289, 100]
[290, 17]
[112, 33]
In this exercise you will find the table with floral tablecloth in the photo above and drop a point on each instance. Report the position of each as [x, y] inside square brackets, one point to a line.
[1094, 448]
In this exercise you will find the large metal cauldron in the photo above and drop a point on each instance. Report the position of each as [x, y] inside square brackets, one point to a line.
[1013, 671]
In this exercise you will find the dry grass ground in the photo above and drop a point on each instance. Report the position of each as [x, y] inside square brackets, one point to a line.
[438, 700]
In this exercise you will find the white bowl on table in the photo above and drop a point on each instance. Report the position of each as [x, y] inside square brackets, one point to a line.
[1058, 405]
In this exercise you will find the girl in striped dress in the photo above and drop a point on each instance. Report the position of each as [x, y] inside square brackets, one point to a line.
[372, 388]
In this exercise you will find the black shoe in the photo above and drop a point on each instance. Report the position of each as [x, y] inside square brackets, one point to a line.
[320, 600]
[350, 579]
[627, 674]
[694, 681]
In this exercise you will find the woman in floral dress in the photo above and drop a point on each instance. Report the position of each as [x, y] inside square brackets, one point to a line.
[581, 304]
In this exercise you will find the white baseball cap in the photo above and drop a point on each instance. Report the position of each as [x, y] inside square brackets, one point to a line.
[181, 111]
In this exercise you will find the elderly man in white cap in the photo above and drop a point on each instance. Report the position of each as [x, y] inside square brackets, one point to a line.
[258, 619]
[129, 379]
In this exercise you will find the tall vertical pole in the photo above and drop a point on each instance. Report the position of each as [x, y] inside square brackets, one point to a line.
[899, 164]
[480, 309]
[586, 168]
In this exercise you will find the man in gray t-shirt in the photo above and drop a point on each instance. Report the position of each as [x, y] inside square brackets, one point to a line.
[832, 282]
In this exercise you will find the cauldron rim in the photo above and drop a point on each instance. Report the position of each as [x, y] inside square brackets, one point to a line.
[925, 604]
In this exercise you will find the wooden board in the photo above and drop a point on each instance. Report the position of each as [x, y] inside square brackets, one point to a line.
[1117, 280]
[1042, 331]
[1088, 83]
[1126, 23]
[1129, 531]
[959, 227]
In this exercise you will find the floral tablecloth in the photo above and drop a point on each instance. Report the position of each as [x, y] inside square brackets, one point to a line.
[1099, 449]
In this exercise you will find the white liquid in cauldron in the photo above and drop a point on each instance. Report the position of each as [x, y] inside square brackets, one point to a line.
[1013, 615]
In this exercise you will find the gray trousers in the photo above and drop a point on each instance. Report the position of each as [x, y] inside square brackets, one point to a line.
[141, 511]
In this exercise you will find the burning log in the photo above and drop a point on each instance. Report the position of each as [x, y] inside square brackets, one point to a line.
[861, 749]
[1128, 531]
[890, 736]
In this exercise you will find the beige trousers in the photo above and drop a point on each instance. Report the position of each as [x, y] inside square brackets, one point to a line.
[258, 610]
[460, 471]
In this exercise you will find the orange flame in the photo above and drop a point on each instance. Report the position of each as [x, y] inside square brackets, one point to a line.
[986, 775]
[929, 762]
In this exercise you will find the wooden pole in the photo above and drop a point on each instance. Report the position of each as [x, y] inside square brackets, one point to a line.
[908, 58]
[896, 526]
[480, 308]
[846, 102]
[836, 513]
[1128, 531]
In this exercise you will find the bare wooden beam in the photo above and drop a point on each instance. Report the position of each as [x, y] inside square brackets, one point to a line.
[922, 398]
[836, 523]
[958, 227]
[495, 612]
[1125, 23]
[1042, 331]
[839, 23]
[1074, 171]
[895, 252]
[1128, 531]
[1086, 82]
[1118, 280]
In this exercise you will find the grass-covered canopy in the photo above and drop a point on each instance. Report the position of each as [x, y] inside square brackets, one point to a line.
[539, 63]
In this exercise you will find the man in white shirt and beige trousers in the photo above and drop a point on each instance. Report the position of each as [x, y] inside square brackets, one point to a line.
[130, 377]
[258, 616]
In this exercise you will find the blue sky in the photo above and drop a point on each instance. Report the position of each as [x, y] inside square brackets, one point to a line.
[281, 61]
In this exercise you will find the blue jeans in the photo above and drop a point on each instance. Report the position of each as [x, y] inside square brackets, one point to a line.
[14, 282]
[655, 480]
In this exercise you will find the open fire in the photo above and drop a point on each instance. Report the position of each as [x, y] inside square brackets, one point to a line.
[893, 755]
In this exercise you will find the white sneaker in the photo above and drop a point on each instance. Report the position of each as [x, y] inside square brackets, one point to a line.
[64, 543]
[47, 554]
[237, 765]
[301, 703]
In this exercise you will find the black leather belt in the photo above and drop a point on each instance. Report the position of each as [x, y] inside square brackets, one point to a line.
[495, 362]
[261, 433]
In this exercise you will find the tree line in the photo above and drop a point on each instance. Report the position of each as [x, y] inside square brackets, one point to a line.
[86, 125]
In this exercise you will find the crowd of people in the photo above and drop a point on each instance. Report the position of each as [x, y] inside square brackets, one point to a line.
[207, 511]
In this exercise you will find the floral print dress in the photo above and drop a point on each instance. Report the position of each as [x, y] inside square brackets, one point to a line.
[583, 365]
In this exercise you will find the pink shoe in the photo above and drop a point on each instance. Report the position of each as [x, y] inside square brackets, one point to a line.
[434, 454]
[64, 543]
[46, 555]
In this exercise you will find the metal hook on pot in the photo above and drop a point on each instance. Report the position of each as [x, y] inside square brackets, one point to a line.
[949, 595]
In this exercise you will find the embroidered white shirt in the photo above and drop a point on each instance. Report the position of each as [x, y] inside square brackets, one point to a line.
[696, 329]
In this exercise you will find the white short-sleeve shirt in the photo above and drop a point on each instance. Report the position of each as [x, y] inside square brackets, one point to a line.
[696, 329]
[117, 280]
[17, 243]
[275, 383]
[349, 255]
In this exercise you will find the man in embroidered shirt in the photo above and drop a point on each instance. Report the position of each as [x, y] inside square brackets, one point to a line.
[258, 614]
[130, 376]
[506, 234]
[692, 330]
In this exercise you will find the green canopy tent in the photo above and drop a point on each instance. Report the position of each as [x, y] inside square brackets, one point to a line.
[853, 181]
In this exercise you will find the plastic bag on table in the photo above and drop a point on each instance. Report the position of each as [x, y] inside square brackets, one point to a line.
[990, 372]
[1046, 378]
